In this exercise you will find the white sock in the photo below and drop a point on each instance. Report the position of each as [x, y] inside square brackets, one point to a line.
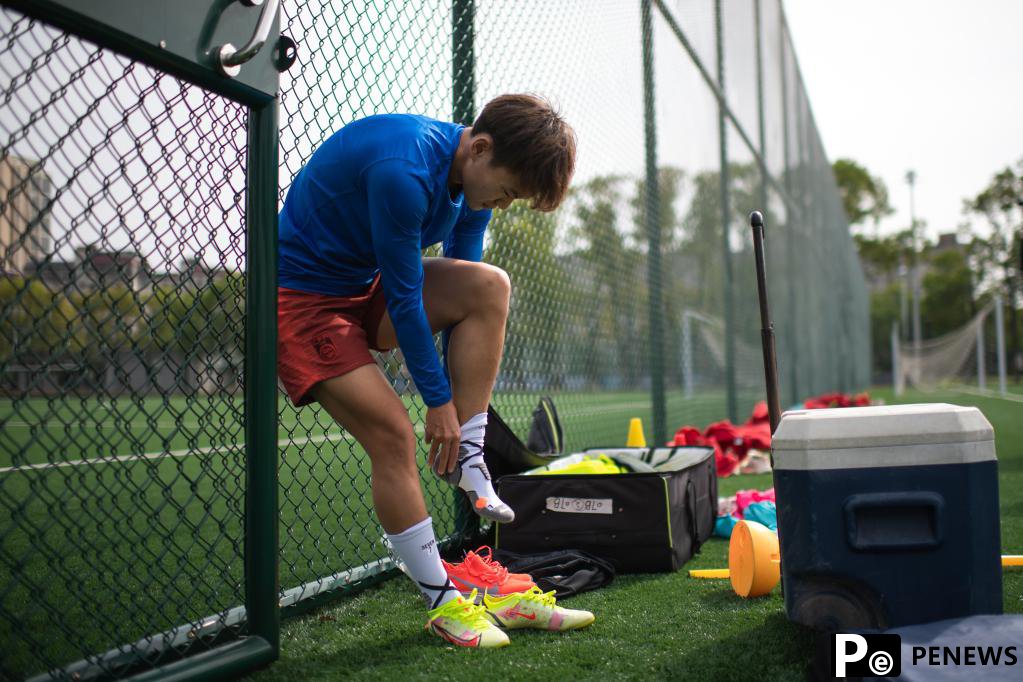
[417, 547]
[475, 476]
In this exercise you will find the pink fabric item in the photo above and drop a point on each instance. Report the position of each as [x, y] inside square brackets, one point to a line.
[745, 498]
[726, 506]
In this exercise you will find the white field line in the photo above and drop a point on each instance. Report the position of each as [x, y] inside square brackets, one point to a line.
[989, 394]
[81, 423]
[284, 441]
[84, 424]
[171, 453]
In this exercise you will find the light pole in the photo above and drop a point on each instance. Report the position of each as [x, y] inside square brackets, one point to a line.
[914, 269]
[903, 299]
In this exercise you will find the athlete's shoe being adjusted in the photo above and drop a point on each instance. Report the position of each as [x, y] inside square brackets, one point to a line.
[463, 623]
[481, 574]
[533, 609]
[477, 484]
[490, 507]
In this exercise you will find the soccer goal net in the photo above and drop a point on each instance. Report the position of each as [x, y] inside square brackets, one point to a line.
[956, 358]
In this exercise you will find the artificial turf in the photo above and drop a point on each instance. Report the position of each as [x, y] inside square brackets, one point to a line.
[648, 626]
[99, 552]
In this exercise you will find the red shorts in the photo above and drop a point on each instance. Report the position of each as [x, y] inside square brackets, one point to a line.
[320, 336]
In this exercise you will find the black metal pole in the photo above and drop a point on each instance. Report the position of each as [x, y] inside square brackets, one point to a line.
[262, 544]
[756, 221]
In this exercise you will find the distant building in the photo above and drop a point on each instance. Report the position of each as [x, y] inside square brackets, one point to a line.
[879, 278]
[946, 242]
[195, 273]
[25, 194]
[102, 269]
[95, 269]
[57, 274]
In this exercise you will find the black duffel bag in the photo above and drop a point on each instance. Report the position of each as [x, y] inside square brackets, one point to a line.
[640, 522]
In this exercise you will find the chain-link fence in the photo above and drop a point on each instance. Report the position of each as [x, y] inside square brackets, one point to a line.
[122, 304]
[609, 326]
[122, 195]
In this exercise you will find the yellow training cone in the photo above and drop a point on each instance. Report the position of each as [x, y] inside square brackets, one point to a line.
[636, 439]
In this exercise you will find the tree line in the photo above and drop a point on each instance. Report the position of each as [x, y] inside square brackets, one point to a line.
[90, 329]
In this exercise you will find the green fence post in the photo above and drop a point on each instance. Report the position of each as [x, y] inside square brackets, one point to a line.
[761, 125]
[795, 221]
[261, 531]
[463, 96]
[764, 172]
[809, 356]
[726, 214]
[463, 61]
[653, 231]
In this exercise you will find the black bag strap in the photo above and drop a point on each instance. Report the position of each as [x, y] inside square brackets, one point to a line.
[567, 571]
[503, 452]
[694, 526]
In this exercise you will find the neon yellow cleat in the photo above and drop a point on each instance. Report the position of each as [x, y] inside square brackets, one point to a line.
[534, 609]
[463, 623]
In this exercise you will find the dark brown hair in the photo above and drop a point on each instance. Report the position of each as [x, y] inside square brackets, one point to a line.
[534, 142]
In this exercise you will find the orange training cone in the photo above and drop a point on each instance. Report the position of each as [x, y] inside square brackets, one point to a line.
[753, 559]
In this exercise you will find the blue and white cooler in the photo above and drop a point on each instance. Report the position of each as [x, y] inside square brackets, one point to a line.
[887, 515]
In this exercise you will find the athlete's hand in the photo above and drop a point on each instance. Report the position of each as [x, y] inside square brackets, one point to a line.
[443, 433]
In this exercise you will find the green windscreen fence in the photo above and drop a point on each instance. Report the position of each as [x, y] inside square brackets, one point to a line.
[122, 298]
[675, 155]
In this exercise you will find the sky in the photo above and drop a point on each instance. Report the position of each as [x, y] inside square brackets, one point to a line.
[936, 86]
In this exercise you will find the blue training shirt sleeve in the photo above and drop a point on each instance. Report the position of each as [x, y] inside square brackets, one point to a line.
[466, 239]
[398, 204]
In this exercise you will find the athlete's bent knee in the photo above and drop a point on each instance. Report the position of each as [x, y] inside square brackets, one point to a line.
[494, 286]
[393, 447]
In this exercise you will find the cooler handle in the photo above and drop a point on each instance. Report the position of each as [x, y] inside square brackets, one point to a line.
[894, 520]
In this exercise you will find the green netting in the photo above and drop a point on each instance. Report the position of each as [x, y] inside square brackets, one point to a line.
[583, 277]
[122, 298]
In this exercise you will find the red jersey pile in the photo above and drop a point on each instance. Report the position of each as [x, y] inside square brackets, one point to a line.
[732, 442]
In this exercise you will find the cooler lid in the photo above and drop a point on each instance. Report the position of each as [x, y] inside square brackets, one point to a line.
[964, 432]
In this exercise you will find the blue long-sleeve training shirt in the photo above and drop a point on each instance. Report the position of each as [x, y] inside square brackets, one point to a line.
[369, 200]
